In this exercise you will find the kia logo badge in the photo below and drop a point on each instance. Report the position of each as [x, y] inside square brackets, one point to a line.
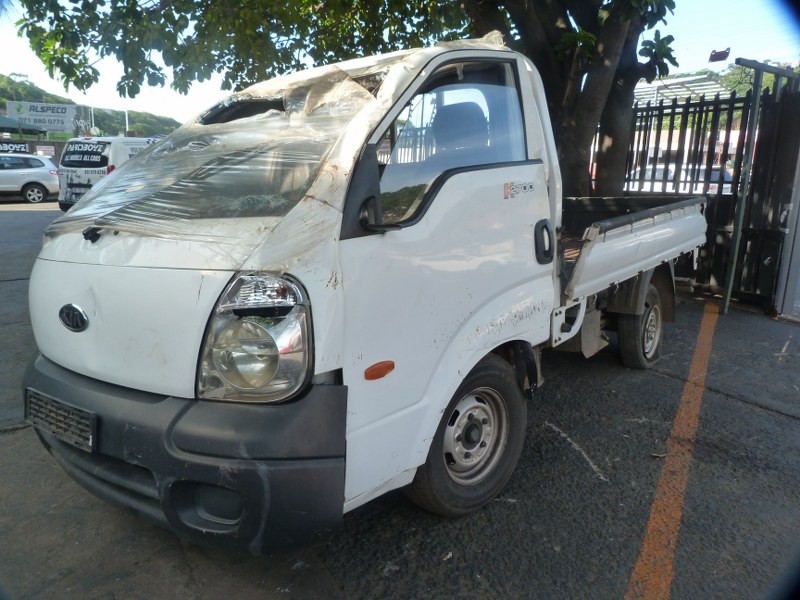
[73, 318]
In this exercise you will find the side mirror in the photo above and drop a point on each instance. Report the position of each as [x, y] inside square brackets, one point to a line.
[364, 216]
[371, 217]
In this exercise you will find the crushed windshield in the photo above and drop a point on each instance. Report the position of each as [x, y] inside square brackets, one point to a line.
[253, 155]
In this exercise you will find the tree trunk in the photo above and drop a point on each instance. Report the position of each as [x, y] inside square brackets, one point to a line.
[616, 122]
[540, 26]
[616, 125]
[578, 124]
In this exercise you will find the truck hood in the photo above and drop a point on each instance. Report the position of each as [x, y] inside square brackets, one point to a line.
[229, 177]
[144, 326]
[148, 299]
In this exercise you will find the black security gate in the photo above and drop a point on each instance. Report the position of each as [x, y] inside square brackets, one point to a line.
[702, 146]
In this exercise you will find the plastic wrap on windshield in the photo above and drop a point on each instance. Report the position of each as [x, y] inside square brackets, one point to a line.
[253, 155]
[231, 176]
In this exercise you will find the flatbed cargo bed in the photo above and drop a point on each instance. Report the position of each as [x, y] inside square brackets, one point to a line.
[605, 241]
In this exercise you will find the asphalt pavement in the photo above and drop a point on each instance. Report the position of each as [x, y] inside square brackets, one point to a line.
[573, 521]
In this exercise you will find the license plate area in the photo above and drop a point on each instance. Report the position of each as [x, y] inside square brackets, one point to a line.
[70, 424]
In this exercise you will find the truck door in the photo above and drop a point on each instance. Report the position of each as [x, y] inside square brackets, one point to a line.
[467, 268]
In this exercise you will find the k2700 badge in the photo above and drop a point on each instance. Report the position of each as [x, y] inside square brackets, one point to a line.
[515, 188]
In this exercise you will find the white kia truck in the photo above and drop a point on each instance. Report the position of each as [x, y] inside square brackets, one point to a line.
[331, 285]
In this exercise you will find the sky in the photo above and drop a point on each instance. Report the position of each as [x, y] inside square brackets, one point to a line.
[754, 29]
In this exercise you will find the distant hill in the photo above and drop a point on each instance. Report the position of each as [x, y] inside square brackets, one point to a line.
[110, 122]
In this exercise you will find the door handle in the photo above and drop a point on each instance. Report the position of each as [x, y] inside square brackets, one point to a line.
[543, 242]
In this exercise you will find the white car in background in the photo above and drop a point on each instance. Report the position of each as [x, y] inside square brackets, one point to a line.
[713, 182]
[692, 179]
[27, 175]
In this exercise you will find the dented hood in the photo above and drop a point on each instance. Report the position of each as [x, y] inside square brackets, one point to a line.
[222, 183]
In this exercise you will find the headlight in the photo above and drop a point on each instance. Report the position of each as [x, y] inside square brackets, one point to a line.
[257, 346]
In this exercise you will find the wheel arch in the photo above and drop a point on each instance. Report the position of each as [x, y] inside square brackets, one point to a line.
[522, 356]
[29, 184]
[628, 298]
[526, 361]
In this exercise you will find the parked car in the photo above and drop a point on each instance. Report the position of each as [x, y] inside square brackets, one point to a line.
[713, 182]
[692, 179]
[32, 177]
[86, 160]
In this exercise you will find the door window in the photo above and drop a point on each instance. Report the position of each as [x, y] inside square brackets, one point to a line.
[467, 115]
[11, 162]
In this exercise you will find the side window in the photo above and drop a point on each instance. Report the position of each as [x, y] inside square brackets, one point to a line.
[15, 162]
[467, 115]
[33, 163]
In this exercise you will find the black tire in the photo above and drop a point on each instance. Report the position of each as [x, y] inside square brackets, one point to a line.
[640, 336]
[35, 193]
[477, 444]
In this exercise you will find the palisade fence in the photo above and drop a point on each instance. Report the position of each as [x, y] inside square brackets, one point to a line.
[697, 146]
[690, 138]
[415, 144]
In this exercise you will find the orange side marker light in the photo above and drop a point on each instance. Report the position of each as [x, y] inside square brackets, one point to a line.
[379, 370]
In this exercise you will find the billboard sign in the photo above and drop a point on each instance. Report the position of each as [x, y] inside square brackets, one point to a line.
[66, 118]
[22, 147]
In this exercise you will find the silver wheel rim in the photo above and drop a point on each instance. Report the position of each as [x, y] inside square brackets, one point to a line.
[651, 331]
[475, 436]
[34, 195]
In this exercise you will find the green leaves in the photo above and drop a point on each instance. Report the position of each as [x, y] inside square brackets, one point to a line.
[652, 11]
[575, 40]
[246, 41]
[183, 41]
[659, 52]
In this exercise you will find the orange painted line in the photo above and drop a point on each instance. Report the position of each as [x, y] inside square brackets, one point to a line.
[652, 575]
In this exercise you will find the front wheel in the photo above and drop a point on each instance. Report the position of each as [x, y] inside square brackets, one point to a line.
[640, 335]
[34, 193]
[477, 444]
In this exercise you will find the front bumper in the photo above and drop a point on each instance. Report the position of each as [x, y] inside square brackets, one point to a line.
[249, 476]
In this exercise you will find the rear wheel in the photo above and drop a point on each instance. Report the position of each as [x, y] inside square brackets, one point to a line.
[34, 193]
[640, 335]
[477, 444]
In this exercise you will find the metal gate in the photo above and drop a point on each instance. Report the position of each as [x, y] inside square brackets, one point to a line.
[711, 146]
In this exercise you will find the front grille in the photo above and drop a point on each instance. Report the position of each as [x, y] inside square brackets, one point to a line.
[70, 424]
